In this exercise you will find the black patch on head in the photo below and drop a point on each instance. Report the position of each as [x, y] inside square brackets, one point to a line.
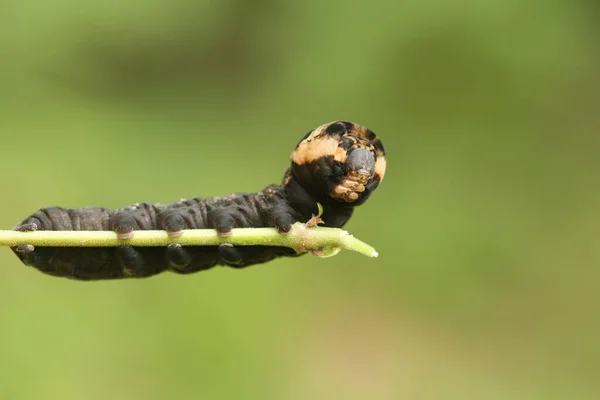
[378, 145]
[349, 125]
[370, 135]
[335, 128]
[346, 143]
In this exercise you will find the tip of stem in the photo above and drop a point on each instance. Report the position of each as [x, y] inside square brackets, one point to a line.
[374, 254]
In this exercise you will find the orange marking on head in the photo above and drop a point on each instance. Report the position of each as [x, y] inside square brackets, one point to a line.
[340, 155]
[380, 165]
[310, 150]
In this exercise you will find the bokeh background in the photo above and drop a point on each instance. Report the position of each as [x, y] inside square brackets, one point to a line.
[487, 223]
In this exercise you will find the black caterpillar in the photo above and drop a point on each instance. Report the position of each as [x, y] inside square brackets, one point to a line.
[337, 165]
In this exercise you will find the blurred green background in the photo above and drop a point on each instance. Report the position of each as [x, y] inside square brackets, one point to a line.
[487, 223]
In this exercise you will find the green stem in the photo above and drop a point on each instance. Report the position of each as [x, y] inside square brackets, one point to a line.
[323, 242]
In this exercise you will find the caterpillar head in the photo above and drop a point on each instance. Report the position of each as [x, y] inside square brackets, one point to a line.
[339, 162]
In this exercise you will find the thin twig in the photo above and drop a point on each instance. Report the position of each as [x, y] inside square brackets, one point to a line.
[323, 242]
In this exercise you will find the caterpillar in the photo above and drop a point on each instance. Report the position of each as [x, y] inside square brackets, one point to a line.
[338, 165]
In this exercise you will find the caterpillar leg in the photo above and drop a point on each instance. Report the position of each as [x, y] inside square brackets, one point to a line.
[46, 218]
[27, 254]
[244, 256]
[24, 248]
[282, 218]
[225, 219]
[187, 260]
[39, 220]
[140, 262]
[239, 257]
[26, 251]
[129, 259]
[123, 223]
[230, 254]
[125, 220]
[28, 227]
[177, 256]
[174, 221]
